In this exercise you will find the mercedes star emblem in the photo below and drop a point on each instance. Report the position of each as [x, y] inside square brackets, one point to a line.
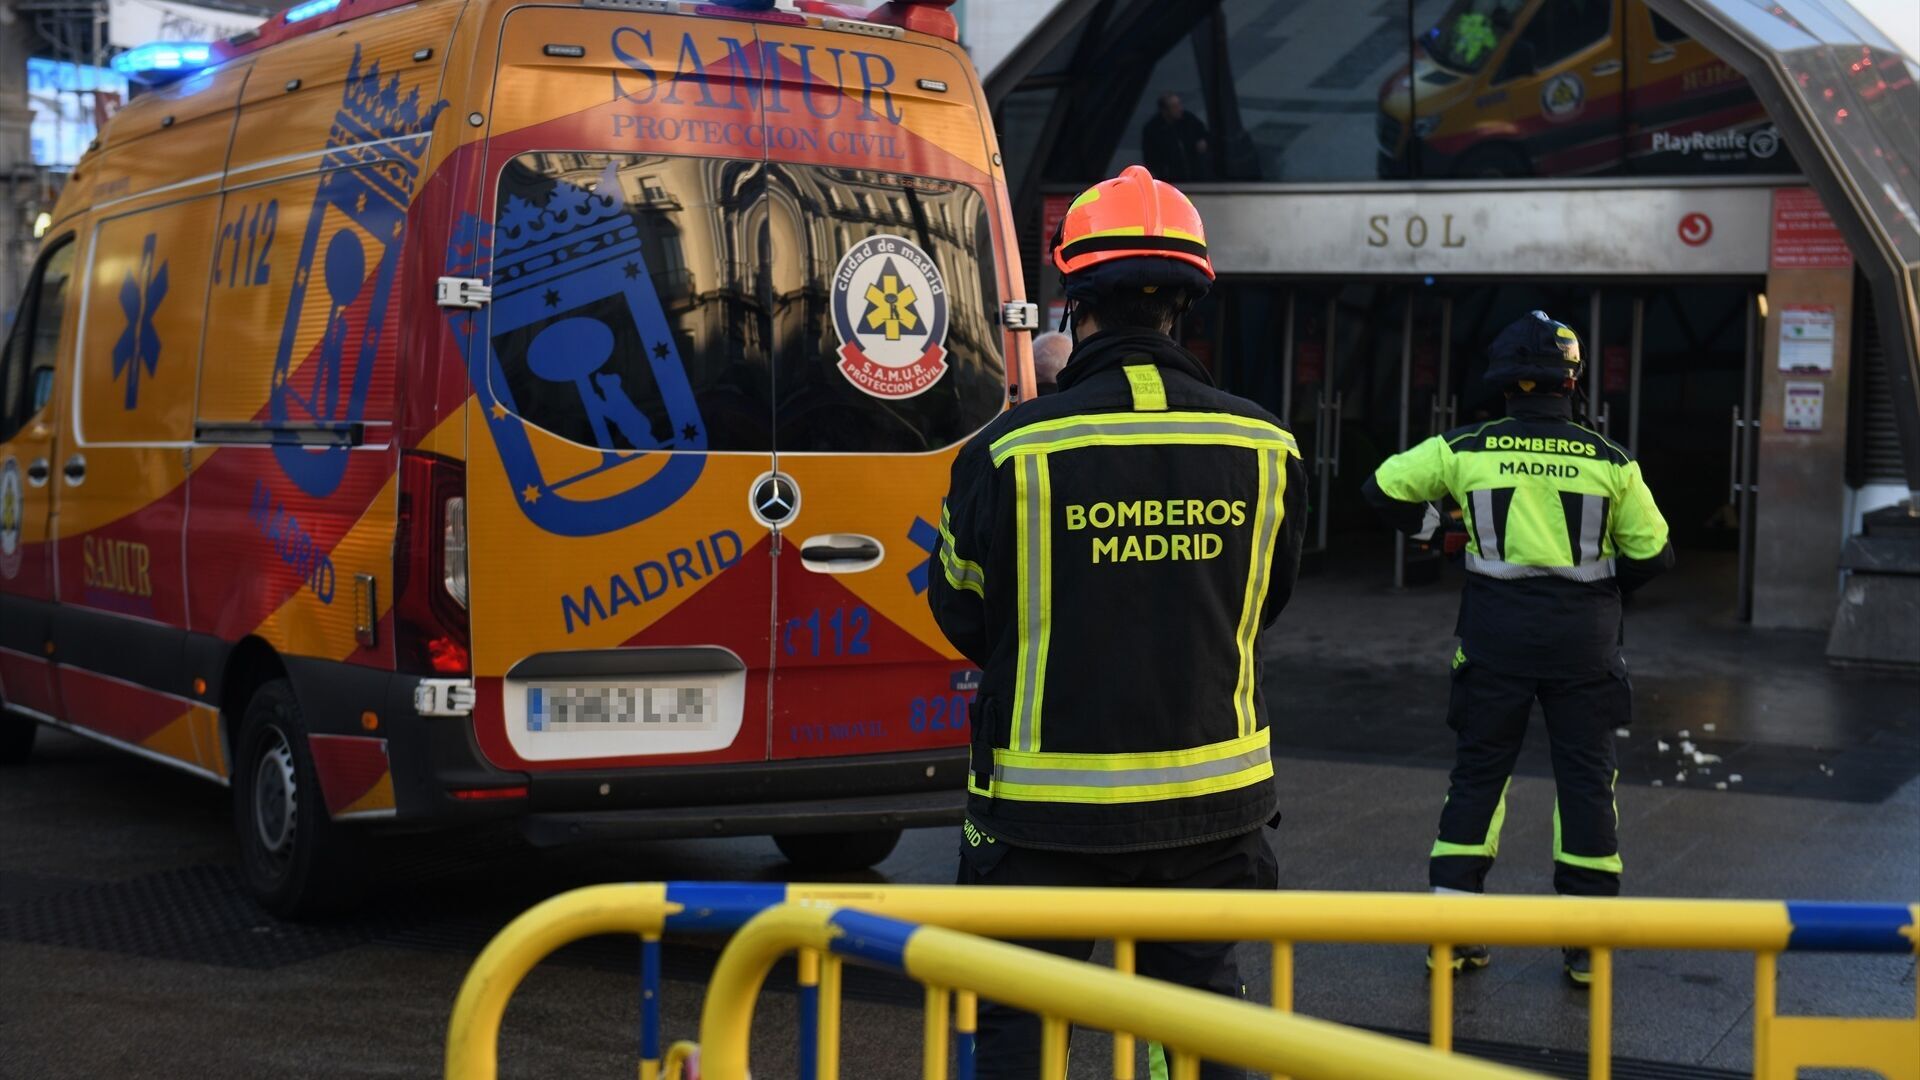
[775, 500]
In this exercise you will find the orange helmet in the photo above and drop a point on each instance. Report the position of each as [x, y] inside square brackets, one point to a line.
[1132, 232]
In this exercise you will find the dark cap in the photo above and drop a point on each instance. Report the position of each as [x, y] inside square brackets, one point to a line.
[1536, 348]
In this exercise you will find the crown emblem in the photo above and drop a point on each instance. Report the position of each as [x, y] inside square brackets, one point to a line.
[381, 132]
[574, 230]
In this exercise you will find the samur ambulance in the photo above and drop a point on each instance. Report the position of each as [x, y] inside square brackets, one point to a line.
[1505, 88]
[430, 412]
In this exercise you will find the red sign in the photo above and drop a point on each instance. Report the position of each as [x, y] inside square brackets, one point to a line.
[1053, 211]
[1616, 369]
[1309, 362]
[1696, 229]
[1804, 236]
[1426, 365]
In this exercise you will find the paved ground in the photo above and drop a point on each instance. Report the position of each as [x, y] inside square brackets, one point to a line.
[126, 947]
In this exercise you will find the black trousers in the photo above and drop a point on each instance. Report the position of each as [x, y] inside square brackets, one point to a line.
[1008, 1043]
[1488, 711]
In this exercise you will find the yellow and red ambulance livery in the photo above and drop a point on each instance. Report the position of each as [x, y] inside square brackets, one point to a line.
[429, 412]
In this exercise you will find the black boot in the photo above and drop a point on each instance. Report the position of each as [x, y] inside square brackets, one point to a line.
[1465, 957]
[1578, 964]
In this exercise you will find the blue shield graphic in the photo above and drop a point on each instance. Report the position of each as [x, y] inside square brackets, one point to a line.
[578, 343]
[374, 152]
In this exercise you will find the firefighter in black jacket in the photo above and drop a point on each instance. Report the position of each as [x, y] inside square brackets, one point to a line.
[1560, 524]
[1109, 555]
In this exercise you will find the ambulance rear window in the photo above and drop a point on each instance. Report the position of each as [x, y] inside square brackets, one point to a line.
[681, 303]
[626, 311]
[884, 301]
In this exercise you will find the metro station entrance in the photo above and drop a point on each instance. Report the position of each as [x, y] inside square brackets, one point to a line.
[1361, 369]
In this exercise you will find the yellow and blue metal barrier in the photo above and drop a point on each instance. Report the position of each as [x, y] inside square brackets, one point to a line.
[1188, 1023]
[1766, 928]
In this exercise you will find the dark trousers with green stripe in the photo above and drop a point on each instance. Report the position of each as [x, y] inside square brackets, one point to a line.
[1008, 1044]
[1488, 711]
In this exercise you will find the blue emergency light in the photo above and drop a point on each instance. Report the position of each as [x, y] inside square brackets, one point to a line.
[308, 10]
[161, 61]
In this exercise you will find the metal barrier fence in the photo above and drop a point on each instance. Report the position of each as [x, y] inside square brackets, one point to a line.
[1782, 1045]
[1188, 1023]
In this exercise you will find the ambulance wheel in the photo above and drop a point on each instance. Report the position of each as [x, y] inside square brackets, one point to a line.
[294, 857]
[836, 851]
[16, 738]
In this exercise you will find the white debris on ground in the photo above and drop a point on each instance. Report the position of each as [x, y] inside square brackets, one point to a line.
[1694, 761]
[1620, 733]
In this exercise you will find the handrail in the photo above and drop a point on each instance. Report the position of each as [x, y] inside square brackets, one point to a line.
[1763, 927]
[1187, 1022]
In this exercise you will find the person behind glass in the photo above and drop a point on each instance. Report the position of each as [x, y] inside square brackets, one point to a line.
[1173, 144]
[1050, 352]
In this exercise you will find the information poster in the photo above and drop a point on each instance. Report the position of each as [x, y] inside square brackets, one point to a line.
[1806, 340]
[1806, 406]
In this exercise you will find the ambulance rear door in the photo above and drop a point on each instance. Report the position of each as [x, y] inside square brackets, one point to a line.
[886, 290]
[621, 586]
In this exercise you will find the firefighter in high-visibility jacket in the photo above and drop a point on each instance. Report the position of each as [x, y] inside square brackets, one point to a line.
[1560, 525]
[1109, 555]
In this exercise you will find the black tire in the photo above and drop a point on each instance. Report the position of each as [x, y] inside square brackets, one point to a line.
[838, 851]
[16, 738]
[297, 862]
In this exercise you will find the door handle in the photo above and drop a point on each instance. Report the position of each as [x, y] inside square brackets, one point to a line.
[1339, 417]
[840, 553]
[1606, 68]
[860, 552]
[75, 470]
[38, 472]
[1732, 466]
[1661, 56]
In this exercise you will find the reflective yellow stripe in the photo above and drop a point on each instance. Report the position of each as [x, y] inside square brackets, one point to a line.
[1149, 392]
[1122, 429]
[1132, 778]
[1489, 845]
[960, 573]
[1033, 536]
[1609, 863]
[1266, 516]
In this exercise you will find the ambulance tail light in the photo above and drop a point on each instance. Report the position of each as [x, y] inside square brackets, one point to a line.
[430, 621]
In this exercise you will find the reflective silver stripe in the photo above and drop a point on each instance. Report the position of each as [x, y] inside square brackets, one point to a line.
[960, 573]
[1495, 568]
[1033, 601]
[1118, 778]
[1593, 522]
[1485, 529]
[1133, 424]
[1429, 523]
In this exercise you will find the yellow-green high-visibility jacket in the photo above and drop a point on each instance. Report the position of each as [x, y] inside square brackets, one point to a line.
[1109, 555]
[1559, 522]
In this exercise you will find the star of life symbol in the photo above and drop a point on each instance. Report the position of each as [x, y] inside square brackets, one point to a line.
[139, 346]
[890, 312]
[11, 514]
[890, 304]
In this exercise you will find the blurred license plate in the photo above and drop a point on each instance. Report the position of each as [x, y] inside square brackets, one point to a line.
[559, 707]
